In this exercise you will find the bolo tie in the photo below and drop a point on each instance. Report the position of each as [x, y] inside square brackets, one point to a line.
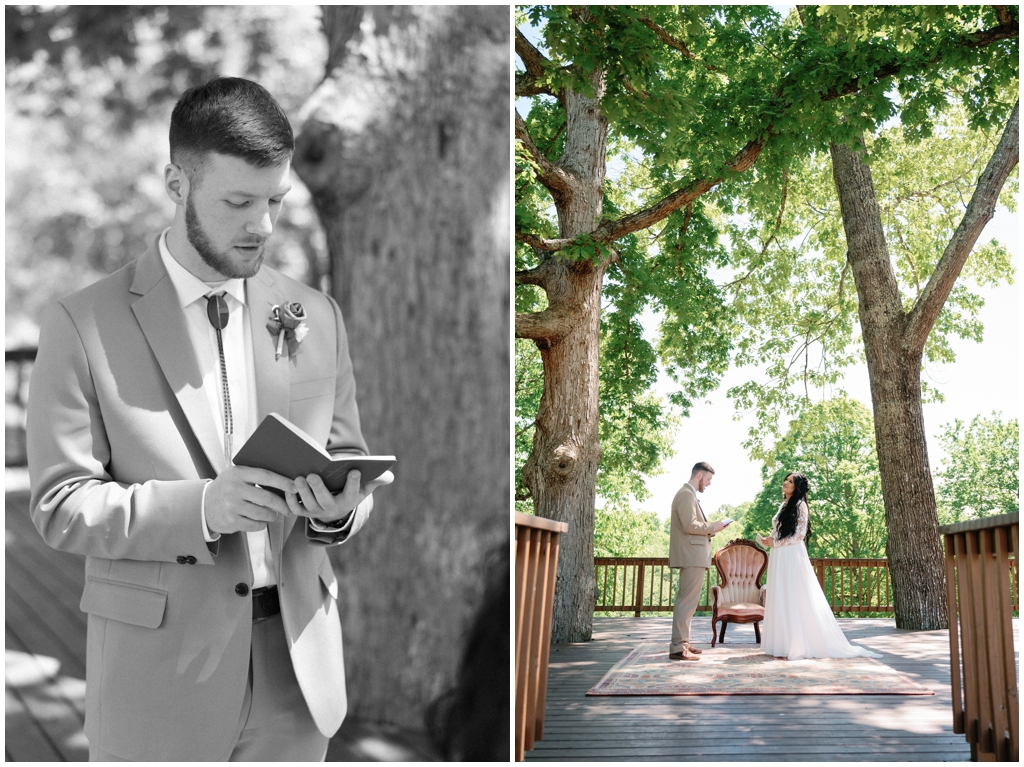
[217, 311]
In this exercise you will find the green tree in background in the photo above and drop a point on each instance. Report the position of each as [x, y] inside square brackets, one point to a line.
[623, 532]
[737, 529]
[833, 445]
[980, 474]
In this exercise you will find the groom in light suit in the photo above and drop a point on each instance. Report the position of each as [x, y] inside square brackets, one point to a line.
[213, 630]
[690, 550]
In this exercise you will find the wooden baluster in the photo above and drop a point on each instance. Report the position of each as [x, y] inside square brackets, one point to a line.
[1009, 749]
[525, 589]
[954, 640]
[547, 583]
[639, 590]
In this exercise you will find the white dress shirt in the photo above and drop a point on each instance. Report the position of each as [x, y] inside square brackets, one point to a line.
[237, 339]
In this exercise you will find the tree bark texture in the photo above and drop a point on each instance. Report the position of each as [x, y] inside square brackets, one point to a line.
[894, 344]
[561, 472]
[405, 147]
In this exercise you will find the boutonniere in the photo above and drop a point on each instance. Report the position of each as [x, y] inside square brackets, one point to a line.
[287, 322]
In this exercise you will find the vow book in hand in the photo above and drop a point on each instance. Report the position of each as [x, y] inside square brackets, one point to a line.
[280, 446]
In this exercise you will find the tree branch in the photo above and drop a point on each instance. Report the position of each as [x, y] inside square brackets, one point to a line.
[535, 63]
[541, 243]
[673, 42]
[546, 327]
[551, 176]
[979, 212]
[610, 231]
[1003, 14]
[536, 276]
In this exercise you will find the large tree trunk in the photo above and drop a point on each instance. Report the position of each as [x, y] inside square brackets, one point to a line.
[405, 147]
[915, 560]
[561, 472]
[894, 344]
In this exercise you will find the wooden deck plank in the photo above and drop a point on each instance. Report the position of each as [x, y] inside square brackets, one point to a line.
[748, 727]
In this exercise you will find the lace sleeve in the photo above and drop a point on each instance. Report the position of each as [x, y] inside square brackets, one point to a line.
[801, 527]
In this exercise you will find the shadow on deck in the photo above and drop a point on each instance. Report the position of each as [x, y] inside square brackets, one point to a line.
[749, 727]
[44, 660]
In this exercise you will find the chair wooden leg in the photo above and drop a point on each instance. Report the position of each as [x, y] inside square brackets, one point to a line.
[722, 637]
[757, 631]
[714, 629]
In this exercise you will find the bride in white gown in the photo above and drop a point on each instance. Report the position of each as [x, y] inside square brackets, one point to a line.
[798, 622]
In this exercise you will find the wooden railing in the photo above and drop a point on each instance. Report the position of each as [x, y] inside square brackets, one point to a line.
[640, 585]
[17, 368]
[982, 581]
[536, 565]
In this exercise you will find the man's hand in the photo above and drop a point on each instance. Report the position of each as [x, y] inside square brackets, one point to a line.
[234, 503]
[720, 526]
[313, 499]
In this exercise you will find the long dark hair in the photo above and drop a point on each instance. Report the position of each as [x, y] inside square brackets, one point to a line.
[790, 512]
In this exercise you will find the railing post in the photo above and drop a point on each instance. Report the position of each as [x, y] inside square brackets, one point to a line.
[639, 601]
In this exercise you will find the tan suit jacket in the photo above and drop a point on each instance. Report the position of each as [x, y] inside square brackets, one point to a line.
[690, 532]
[121, 441]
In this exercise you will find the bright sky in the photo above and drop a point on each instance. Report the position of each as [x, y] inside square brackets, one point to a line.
[983, 379]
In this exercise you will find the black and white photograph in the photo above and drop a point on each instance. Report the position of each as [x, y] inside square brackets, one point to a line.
[258, 364]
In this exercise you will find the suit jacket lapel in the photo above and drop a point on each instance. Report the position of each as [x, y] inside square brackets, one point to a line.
[163, 323]
[272, 375]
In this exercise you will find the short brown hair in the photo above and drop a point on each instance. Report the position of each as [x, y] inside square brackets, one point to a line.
[702, 466]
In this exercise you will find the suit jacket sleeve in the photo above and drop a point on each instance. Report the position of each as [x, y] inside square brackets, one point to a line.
[690, 517]
[346, 435]
[76, 505]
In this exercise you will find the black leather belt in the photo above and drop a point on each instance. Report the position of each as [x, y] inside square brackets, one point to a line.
[265, 603]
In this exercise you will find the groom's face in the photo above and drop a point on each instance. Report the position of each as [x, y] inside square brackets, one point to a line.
[703, 480]
[231, 211]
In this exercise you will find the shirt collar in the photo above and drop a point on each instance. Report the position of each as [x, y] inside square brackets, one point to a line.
[189, 287]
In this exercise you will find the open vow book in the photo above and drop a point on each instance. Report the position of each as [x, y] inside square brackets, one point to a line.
[280, 446]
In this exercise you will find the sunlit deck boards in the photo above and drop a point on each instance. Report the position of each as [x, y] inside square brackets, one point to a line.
[754, 727]
[44, 649]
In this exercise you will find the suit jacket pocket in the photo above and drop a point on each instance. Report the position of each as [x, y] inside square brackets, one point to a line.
[319, 387]
[328, 577]
[125, 602]
[698, 541]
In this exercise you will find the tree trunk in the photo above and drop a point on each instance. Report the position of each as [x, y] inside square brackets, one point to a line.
[894, 366]
[405, 147]
[561, 472]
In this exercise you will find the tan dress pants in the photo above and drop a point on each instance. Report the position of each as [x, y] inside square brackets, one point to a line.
[691, 580]
[274, 724]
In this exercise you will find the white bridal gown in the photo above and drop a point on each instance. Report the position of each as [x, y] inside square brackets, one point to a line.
[798, 622]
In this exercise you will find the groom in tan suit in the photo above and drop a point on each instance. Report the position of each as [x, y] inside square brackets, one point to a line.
[213, 627]
[689, 549]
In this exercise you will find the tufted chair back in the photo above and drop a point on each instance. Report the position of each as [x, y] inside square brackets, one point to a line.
[740, 566]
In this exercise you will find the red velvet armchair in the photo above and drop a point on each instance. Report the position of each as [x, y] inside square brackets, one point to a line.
[740, 598]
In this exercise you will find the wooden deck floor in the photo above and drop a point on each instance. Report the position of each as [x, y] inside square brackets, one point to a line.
[44, 659]
[749, 727]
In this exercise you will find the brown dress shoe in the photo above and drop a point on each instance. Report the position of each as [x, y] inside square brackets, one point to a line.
[691, 648]
[684, 654]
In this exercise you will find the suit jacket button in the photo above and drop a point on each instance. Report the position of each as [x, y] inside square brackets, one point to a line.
[241, 589]
[182, 560]
[190, 559]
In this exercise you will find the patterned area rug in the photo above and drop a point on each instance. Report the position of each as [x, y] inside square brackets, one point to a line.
[742, 669]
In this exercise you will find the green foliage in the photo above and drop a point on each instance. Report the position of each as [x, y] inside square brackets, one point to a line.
[794, 297]
[623, 532]
[736, 530]
[832, 444]
[980, 475]
[89, 93]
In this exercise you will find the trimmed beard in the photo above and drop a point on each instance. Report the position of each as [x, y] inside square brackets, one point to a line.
[199, 240]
